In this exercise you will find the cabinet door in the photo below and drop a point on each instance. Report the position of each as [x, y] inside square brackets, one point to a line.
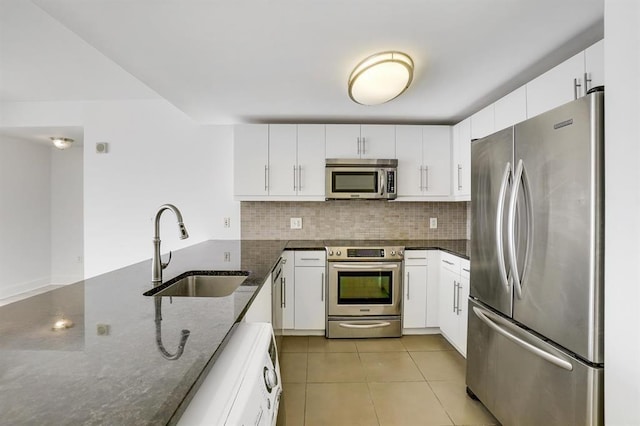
[447, 314]
[594, 65]
[410, 166]
[461, 165]
[288, 275]
[556, 86]
[436, 154]
[463, 304]
[310, 298]
[433, 288]
[511, 109]
[377, 141]
[483, 122]
[282, 159]
[311, 160]
[343, 140]
[251, 159]
[415, 297]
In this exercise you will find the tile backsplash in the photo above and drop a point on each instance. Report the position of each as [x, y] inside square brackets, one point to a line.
[368, 220]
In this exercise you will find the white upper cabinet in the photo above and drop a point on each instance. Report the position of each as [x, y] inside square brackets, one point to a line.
[424, 162]
[360, 141]
[311, 159]
[511, 109]
[283, 166]
[279, 162]
[251, 160]
[594, 65]
[461, 164]
[483, 122]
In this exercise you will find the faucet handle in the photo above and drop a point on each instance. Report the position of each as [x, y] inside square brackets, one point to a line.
[164, 265]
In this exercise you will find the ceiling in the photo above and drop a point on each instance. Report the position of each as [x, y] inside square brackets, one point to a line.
[237, 61]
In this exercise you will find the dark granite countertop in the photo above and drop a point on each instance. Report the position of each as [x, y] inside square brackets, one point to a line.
[107, 369]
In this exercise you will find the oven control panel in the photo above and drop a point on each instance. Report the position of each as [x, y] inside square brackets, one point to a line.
[365, 253]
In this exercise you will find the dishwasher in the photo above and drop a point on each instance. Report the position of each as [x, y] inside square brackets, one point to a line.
[244, 386]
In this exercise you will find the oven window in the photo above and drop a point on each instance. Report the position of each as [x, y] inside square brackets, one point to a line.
[355, 182]
[365, 288]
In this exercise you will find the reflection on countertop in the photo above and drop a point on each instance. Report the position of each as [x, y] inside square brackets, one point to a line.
[106, 368]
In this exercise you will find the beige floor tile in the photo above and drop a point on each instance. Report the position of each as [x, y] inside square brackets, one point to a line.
[405, 403]
[334, 367]
[322, 344]
[293, 367]
[441, 365]
[462, 409]
[428, 342]
[339, 404]
[380, 345]
[295, 344]
[390, 367]
[294, 397]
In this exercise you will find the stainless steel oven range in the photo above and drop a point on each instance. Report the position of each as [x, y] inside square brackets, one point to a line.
[364, 292]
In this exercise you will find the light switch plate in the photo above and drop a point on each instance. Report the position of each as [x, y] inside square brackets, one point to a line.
[296, 223]
[433, 222]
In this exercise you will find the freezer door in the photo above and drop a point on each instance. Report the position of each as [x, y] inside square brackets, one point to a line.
[523, 380]
[491, 176]
[558, 168]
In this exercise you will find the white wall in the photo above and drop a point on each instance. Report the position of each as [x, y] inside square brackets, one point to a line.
[25, 225]
[67, 224]
[156, 155]
[622, 228]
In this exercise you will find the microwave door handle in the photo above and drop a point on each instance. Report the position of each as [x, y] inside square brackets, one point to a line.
[382, 181]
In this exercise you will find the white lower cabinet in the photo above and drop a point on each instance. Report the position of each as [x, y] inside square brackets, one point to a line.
[454, 292]
[288, 290]
[420, 287]
[260, 309]
[310, 288]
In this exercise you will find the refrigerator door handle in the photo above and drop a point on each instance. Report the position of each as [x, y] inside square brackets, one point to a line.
[511, 226]
[559, 362]
[499, 221]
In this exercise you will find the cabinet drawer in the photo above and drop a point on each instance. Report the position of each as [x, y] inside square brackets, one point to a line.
[310, 258]
[450, 262]
[464, 268]
[415, 257]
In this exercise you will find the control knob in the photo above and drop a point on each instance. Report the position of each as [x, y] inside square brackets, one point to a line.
[338, 252]
[270, 379]
[393, 252]
[330, 252]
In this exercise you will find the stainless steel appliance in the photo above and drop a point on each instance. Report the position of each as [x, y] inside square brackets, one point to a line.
[364, 292]
[277, 301]
[360, 179]
[535, 337]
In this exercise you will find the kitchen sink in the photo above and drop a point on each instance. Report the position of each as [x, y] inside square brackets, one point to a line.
[201, 284]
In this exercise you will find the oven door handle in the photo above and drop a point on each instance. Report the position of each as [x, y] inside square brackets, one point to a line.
[368, 265]
[375, 325]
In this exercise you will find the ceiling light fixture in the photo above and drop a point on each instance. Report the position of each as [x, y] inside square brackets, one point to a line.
[61, 143]
[380, 78]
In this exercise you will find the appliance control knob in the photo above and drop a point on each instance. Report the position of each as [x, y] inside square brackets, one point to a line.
[270, 379]
[330, 252]
[400, 253]
[338, 252]
[393, 252]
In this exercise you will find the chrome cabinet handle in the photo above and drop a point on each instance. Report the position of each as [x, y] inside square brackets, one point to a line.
[358, 145]
[266, 178]
[408, 287]
[426, 180]
[458, 309]
[322, 287]
[459, 178]
[376, 325]
[553, 359]
[283, 292]
[299, 178]
[499, 223]
[586, 81]
[364, 146]
[576, 86]
[447, 262]
[421, 178]
[309, 258]
[466, 270]
[294, 178]
[455, 286]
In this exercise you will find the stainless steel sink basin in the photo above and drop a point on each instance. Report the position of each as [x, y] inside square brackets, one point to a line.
[201, 284]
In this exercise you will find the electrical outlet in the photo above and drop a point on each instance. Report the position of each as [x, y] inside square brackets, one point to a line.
[227, 222]
[103, 329]
[296, 223]
[433, 222]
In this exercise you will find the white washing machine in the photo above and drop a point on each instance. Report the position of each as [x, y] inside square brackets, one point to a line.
[244, 386]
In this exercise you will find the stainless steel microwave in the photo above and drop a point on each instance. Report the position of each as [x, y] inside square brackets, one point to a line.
[360, 179]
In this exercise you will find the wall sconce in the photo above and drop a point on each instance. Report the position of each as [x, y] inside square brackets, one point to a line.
[380, 78]
[61, 143]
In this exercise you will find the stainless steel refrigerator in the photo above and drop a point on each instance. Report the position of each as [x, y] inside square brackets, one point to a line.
[536, 331]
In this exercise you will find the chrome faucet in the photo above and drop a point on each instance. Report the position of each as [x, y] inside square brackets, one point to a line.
[156, 263]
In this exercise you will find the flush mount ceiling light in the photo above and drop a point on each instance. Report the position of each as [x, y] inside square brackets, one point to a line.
[380, 78]
[61, 143]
